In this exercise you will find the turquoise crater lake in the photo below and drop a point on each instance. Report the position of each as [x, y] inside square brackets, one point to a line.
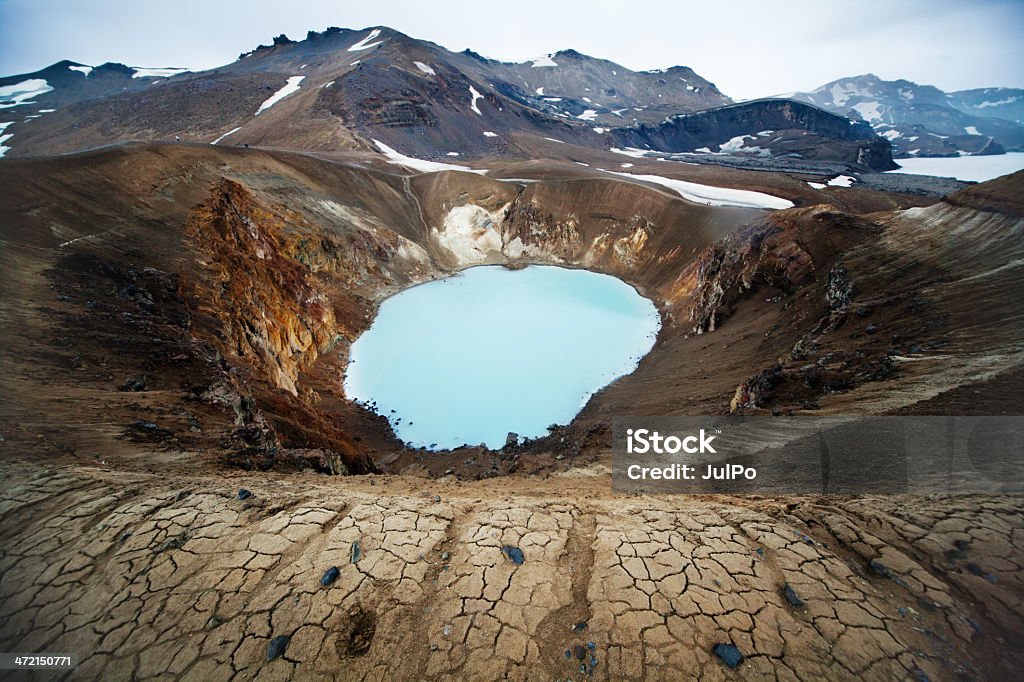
[470, 358]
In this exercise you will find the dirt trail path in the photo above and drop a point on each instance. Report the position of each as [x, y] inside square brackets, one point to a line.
[148, 575]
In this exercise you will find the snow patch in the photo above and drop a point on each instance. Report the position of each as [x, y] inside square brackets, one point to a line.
[971, 130]
[292, 86]
[546, 60]
[230, 132]
[21, 93]
[734, 144]
[713, 196]
[843, 92]
[817, 185]
[425, 69]
[629, 151]
[365, 43]
[141, 72]
[452, 154]
[421, 165]
[842, 181]
[86, 70]
[588, 115]
[976, 168]
[488, 133]
[475, 95]
[4, 138]
[552, 99]
[600, 131]
[892, 134]
[868, 111]
[540, 91]
[554, 140]
[625, 165]
[998, 102]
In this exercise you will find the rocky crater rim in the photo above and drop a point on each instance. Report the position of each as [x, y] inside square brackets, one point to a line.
[250, 272]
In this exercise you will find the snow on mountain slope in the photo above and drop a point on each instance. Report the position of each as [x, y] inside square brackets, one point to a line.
[942, 124]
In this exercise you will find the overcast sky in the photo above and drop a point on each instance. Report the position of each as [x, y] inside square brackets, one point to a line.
[748, 48]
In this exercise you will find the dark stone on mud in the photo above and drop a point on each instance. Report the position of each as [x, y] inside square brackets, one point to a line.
[514, 554]
[791, 596]
[962, 545]
[871, 328]
[244, 494]
[330, 575]
[977, 570]
[356, 554]
[579, 652]
[879, 568]
[142, 430]
[277, 647]
[173, 543]
[919, 675]
[182, 495]
[133, 385]
[728, 654]
[580, 627]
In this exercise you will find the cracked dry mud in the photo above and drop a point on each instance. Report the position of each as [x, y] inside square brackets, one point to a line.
[149, 576]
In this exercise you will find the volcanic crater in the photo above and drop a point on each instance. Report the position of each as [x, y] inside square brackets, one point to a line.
[185, 312]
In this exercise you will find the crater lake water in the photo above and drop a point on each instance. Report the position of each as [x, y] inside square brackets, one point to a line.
[469, 358]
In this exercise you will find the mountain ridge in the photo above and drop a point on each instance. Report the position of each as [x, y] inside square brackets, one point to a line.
[343, 89]
[923, 120]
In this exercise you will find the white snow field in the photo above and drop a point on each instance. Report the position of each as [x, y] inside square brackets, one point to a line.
[230, 132]
[713, 196]
[365, 43]
[290, 87]
[141, 72]
[4, 138]
[421, 165]
[23, 92]
[976, 168]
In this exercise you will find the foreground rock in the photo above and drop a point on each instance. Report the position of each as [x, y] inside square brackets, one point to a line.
[659, 582]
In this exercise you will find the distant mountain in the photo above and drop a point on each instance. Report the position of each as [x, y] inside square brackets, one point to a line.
[771, 127]
[572, 84]
[341, 89]
[1004, 103]
[921, 120]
